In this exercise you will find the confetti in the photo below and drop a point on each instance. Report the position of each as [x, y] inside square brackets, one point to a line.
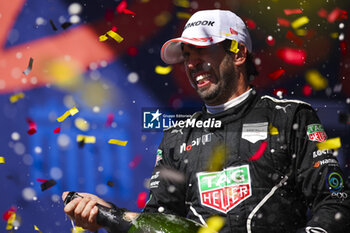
[216, 160]
[133, 51]
[283, 22]
[234, 46]
[330, 144]
[81, 124]
[66, 25]
[121, 8]
[343, 47]
[280, 91]
[214, 224]
[301, 32]
[41, 180]
[322, 13]
[163, 70]
[32, 126]
[276, 74]
[293, 38]
[10, 221]
[36, 228]
[316, 80]
[117, 142]
[48, 184]
[250, 24]
[259, 152]
[30, 66]
[270, 40]
[182, 3]
[112, 34]
[292, 11]
[307, 90]
[2, 159]
[86, 139]
[53, 25]
[110, 119]
[110, 183]
[114, 29]
[70, 112]
[57, 130]
[135, 161]
[292, 56]
[14, 98]
[141, 200]
[337, 14]
[183, 15]
[8, 213]
[273, 130]
[77, 230]
[299, 22]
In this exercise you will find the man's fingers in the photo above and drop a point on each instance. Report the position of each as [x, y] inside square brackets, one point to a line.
[64, 194]
[80, 207]
[93, 215]
[86, 212]
[70, 207]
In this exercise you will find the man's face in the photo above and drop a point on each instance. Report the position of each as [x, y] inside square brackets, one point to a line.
[211, 71]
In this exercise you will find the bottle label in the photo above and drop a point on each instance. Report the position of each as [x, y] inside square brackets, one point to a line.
[225, 189]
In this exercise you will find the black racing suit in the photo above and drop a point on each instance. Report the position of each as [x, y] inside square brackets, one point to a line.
[261, 170]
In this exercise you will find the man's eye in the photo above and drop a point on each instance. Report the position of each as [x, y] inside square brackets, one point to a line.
[185, 55]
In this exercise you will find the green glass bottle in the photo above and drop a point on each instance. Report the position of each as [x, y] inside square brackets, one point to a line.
[116, 220]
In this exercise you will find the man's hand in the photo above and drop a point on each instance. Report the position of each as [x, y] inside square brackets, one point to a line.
[84, 210]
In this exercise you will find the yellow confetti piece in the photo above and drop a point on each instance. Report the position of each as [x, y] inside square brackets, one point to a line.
[215, 223]
[273, 130]
[217, 158]
[163, 70]
[334, 35]
[316, 80]
[81, 124]
[70, 112]
[234, 46]
[299, 22]
[77, 230]
[37, 229]
[333, 143]
[2, 159]
[183, 15]
[10, 221]
[182, 3]
[117, 142]
[16, 97]
[103, 38]
[162, 19]
[112, 34]
[301, 32]
[86, 139]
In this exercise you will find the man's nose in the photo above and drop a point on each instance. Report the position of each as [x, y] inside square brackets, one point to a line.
[194, 63]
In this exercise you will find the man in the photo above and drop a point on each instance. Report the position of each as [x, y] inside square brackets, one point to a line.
[270, 169]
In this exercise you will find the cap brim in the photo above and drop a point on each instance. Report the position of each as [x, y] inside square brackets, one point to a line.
[171, 52]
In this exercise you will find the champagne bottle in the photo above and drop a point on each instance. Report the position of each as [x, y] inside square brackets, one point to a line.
[116, 220]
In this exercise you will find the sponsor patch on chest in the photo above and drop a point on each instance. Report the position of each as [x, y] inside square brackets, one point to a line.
[315, 132]
[225, 189]
[254, 132]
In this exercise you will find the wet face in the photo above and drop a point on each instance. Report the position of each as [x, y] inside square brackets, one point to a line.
[211, 72]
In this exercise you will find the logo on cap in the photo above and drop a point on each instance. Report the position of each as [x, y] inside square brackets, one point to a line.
[200, 22]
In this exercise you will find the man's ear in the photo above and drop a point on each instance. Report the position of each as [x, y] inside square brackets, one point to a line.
[240, 56]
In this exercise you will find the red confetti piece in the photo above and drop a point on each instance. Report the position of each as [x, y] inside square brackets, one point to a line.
[337, 14]
[280, 90]
[114, 29]
[32, 126]
[57, 130]
[8, 213]
[41, 180]
[135, 161]
[276, 74]
[110, 119]
[259, 152]
[296, 40]
[322, 13]
[121, 8]
[133, 51]
[270, 40]
[343, 47]
[292, 11]
[141, 200]
[307, 90]
[250, 24]
[283, 22]
[292, 56]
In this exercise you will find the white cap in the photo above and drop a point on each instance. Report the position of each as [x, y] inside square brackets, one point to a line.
[206, 28]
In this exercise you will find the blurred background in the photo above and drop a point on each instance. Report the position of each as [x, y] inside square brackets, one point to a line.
[52, 60]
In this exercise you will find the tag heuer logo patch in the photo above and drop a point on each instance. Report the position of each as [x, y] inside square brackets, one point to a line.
[159, 156]
[224, 190]
[315, 132]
